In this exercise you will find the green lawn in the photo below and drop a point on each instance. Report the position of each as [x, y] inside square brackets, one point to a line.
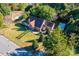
[13, 31]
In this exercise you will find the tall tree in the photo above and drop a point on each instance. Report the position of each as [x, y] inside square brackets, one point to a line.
[5, 9]
[43, 11]
[22, 6]
[1, 19]
[56, 43]
[13, 6]
[73, 43]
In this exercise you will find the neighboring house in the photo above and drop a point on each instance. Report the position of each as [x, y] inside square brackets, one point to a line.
[16, 14]
[12, 16]
[39, 24]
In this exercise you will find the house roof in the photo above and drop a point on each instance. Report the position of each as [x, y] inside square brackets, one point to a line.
[31, 18]
[38, 21]
[49, 24]
[15, 14]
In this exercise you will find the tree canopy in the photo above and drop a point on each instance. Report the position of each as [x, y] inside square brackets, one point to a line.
[56, 43]
[5, 9]
[43, 11]
[1, 19]
[22, 6]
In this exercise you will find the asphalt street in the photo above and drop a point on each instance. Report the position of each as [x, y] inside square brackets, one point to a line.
[6, 45]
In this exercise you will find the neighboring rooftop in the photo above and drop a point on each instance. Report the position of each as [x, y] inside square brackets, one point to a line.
[16, 14]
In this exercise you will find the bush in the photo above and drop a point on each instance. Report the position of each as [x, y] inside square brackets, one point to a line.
[43, 11]
[1, 19]
[26, 15]
[35, 44]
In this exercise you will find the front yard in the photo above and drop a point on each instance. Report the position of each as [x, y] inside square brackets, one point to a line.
[18, 35]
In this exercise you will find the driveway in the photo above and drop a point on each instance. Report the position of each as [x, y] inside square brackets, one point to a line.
[6, 45]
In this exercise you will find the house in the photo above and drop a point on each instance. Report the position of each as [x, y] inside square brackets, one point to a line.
[39, 24]
[12, 16]
[16, 14]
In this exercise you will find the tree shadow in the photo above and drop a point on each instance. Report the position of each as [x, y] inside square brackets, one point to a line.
[72, 14]
[77, 50]
[20, 27]
[21, 35]
[57, 6]
[28, 48]
[28, 8]
[30, 41]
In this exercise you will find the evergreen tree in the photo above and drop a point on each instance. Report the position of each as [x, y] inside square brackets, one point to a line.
[1, 19]
[5, 9]
[56, 43]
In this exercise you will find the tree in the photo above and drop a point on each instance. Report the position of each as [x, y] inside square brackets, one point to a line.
[58, 6]
[72, 27]
[35, 44]
[1, 19]
[13, 6]
[56, 43]
[43, 11]
[22, 6]
[5, 9]
[73, 43]
[26, 15]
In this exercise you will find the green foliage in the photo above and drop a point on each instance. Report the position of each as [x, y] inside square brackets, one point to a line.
[56, 43]
[1, 19]
[43, 11]
[22, 6]
[5, 9]
[72, 27]
[73, 40]
[35, 44]
[41, 38]
[57, 6]
[26, 15]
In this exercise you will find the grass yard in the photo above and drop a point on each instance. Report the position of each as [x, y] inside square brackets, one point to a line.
[12, 32]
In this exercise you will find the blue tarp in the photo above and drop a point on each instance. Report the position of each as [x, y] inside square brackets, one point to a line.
[62, 26]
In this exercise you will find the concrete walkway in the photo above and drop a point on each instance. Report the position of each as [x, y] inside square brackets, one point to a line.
[6, 45]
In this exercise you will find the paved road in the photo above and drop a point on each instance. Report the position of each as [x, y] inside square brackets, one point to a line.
[6, 45]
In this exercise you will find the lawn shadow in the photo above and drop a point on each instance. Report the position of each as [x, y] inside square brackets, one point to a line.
[77, 50]
[20, 27]
[28, 48]
[30, 41]
[22, 34]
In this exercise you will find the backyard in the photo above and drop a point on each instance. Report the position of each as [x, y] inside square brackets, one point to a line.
[18, 34]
